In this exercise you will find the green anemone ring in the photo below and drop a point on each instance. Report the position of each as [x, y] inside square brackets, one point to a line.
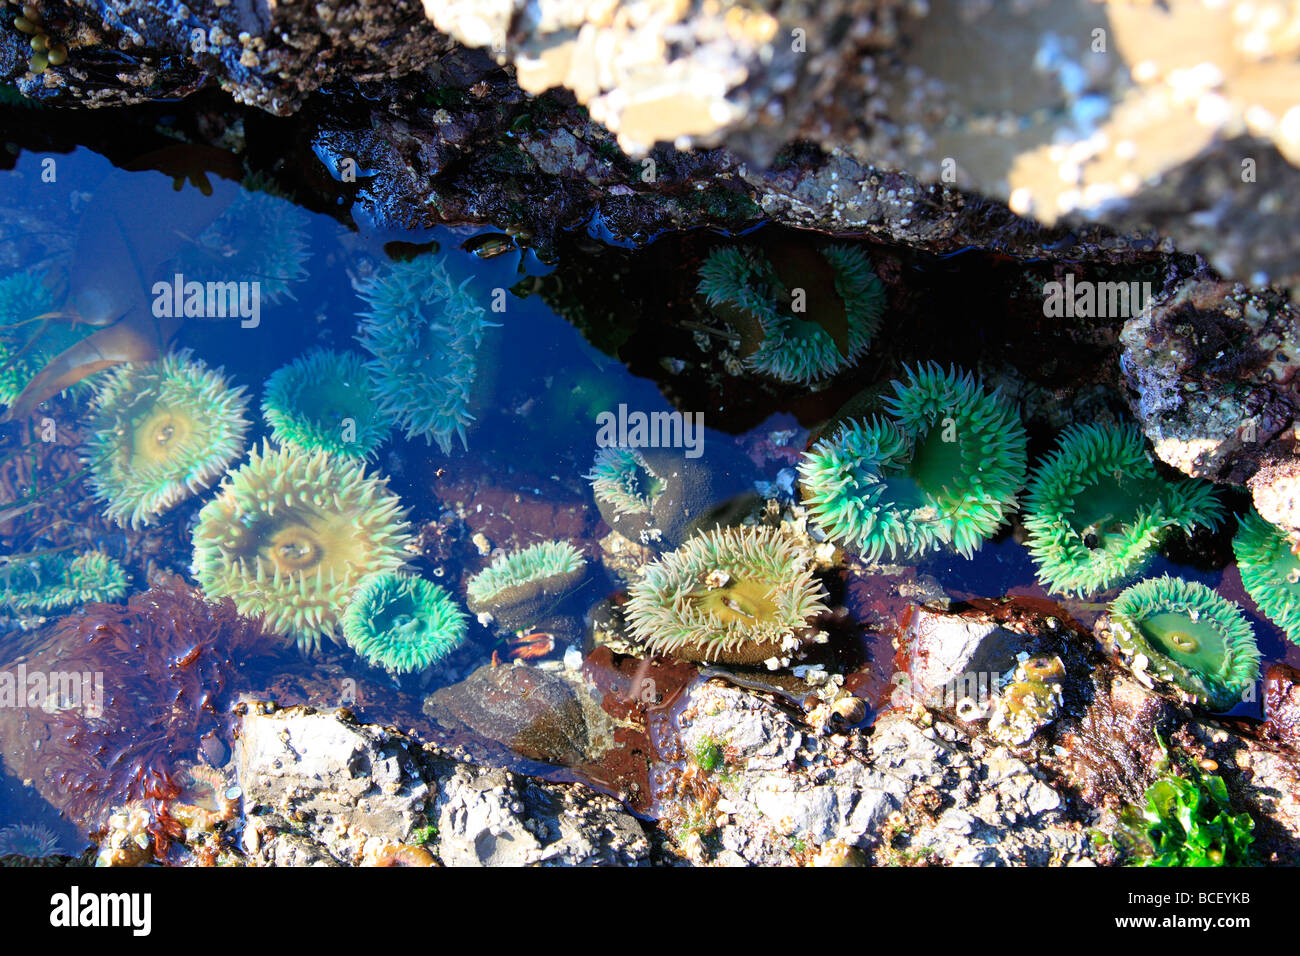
[1189, 636]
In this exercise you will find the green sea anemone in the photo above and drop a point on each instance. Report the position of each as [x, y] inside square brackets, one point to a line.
[403, 623]
[943, 470]
[261, 238]
[621, 478]
[1270, 571]
[1183, 633]
[1096, 509]
[521, 588]
[658, 497]
[424, 333]
[290, 534]
[161, 432]
[324, 401]
[739, 595]
[48, 581]
[795, 347]
[27, 840]
[25, 346]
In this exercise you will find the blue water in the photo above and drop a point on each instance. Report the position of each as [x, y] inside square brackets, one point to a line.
[532, 443]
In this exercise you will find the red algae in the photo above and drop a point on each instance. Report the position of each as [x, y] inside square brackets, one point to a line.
[170, 662]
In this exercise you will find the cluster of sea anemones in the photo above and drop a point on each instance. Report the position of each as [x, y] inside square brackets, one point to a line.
[424, 333]
[744, 282]
[290, 534]
[741, 595]
[160, 432]
[943, 470]
[1096, 509]
[1185, 634]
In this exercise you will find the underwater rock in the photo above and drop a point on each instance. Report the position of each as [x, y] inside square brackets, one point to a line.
[538, 714]
[321, 788]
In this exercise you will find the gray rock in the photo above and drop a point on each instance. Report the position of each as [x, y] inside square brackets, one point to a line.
[321, 789]
[950, 657]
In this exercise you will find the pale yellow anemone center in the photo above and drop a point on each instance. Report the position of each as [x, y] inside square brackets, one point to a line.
[158, 436]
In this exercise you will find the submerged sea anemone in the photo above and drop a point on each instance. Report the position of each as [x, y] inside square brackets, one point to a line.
[1185, 634]
[519, 588]
[1096, 509]
[944, 471]
[26, 347]
[159, 433]
[1270, 571]
[324, 401]
[740, 595]
[48, 581]
[796, 348]
[28, 840]
[424, 333]
[403, 623]
[261, 238]
[622, 479]
[290, 534]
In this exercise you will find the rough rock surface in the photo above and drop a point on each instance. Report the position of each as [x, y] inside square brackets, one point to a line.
[320, 789]
[1144, 117]
[783, 795]
[1212, 373]
[951, 656]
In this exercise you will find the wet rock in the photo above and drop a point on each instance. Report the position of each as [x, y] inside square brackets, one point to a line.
[1212, 371]
[780, 793]
[496, 818]
[542, 715]
[265, 55]
[319, 788]
[1282, 705]
[330, 773]
[950, 656]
